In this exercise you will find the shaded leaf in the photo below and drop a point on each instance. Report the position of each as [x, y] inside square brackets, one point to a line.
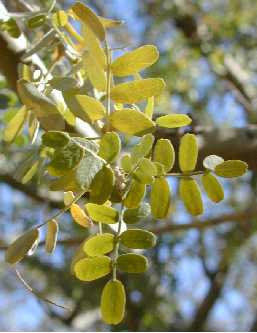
[132, 263]
[143, 148]
[135, 215]
[15, 125]
[138, 239]
[110, 146]
[102, 186]
[135, 194]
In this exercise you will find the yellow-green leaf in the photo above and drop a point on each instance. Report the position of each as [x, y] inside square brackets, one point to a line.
[15, 125]
[51, 236]
[94, 72]
[113, 300]
[60, 18]
[132, 122]
[110, 23]
[110, 146]
[135, 61]
[68, 198]
[173, 120]
[88, 17]
[160, 198]
[231, 169]
[36, 21]
[92, 107]
[149, 109]
[102, 185]
[21, 246]
[132, 263]
[145, 171]
[212, 187]
[191, 196]
[102, 213]
[188, 152]
[135, 194]
[126, 163]
[138, 90]
[79, 216]
[30, 173]
[143, 148]
[164, 153]
[55, 139]
[90, 269]
[138, 239]
[134, 215]
[99, 245]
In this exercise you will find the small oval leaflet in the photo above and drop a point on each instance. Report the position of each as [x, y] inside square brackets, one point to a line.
[188, 152]
[21, 246]
[135, 215]
[138, 90]
[145, 171]
[210, 162]
[135, 194]
[132, 263]
[135, 61]
[110, 146]
[164, 153]
[132, 122]
[88, 17]
[113, 300]
[102, 213]
[126, 163]
[99, 245]
[94, 71]
[173, 120]
[68, 198]
[51, 236]
[160, 198]
[102, 186]
[138, 239]
[143, 148]
[91, 106]
[231, 169]
[55, 139]
[212, 187]
[191, 196]
[90, 269]
[80, 216]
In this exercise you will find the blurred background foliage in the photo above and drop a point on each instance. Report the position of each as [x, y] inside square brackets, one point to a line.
[202, 278]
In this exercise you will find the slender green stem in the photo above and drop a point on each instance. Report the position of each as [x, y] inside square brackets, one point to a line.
[65, 209]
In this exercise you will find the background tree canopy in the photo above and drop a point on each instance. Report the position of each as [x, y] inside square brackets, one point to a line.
[203, 271]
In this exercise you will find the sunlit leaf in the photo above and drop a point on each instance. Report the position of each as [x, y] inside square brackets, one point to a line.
[94, 72]
[212, 187]
[210, 162]
[60, 18]
[149, 109]
[99, 245]
[68, 198]
[79, 216]
[231, 169]
[143, 148]
[110, 146]
[138, 239]
[160, 198]
[102, 185]
[135, 194]
[102, 213]
[51, 236]
[191, 196]
[15, 125]
[145, 171]
[126, 163]
[173, 120]
[188, 152]
[164, 153]
[132, 263]
[90, 269]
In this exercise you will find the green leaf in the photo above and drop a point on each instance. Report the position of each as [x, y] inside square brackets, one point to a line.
[88, 168]
[94, 72]
[134, 61]
[160, 169]
[67, 182]
[12, 28]
[113, 301]
[89, 18]
[138, 239]
[142, 149]
[132, 122]
[99, 245]
[90, 269]
[138, 90]
[190, 194]
[231, 169]
[160, 198]
[63, 83]
[110, 146]
[51, 236]
[132, 263]
[15, 125]
[55, 139]
[145, 171]
[135, 215]
[149, 109]
[102, 213]
[43, 107]
[212, 187]
[164, 153]
[102, 186]
[135, 194]
[173, 120]
[188, 153]
[210, 162]
[36, 21]
[28, 175]
[126, 163]
[65, 159]
[21, 246]
[91, 106]
[68, 198]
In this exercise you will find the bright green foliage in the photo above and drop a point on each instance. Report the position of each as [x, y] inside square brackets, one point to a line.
[138, 239]
[118, 178]
[188, 152]
[231, 169]
[102, 213]
[90, 269]
[212, 187]
[190, 194]
[99, 244]
[113, 301]
[132, 263]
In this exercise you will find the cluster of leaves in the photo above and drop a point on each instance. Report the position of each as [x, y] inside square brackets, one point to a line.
[115, 183]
